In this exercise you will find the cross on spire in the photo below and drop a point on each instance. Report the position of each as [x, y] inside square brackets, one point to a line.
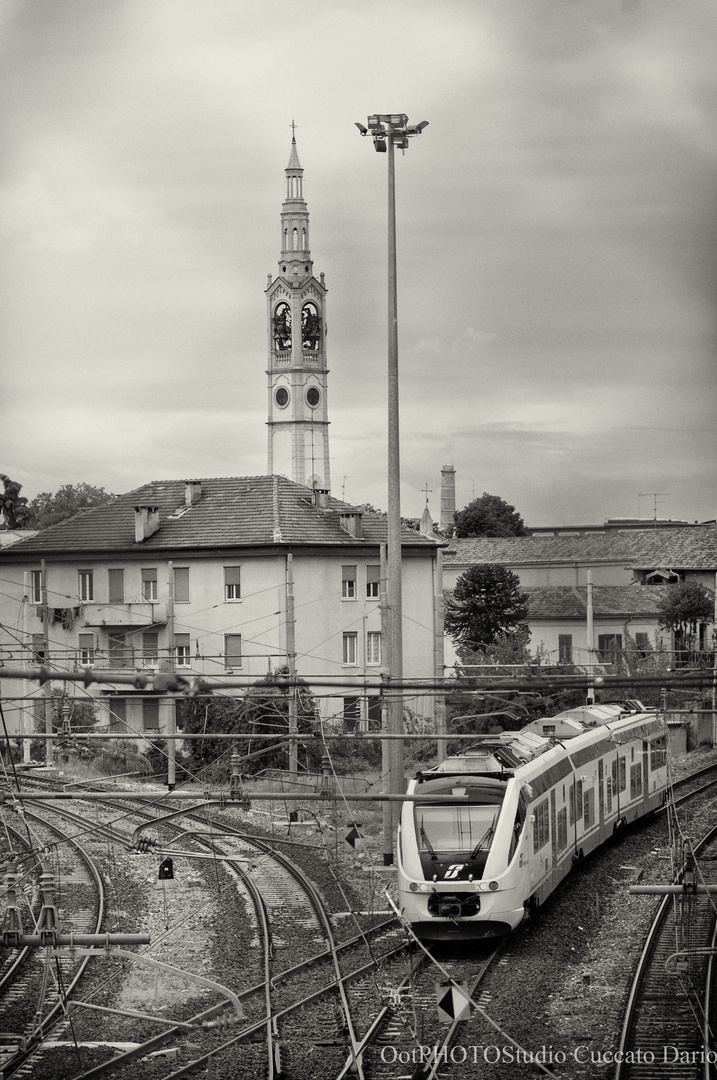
[427, 491]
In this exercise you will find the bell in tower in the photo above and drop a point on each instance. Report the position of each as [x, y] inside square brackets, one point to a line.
[296, 317]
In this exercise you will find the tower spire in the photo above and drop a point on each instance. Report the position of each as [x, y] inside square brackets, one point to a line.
[298, 417]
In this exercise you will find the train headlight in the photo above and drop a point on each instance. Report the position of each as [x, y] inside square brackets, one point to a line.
[413, 886]
[493, 886]
[424, 887]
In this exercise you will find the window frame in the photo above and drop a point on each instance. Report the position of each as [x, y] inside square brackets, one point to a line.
[232, 659]
[609, 645]
[348, 584]
[349, 649]
[85, 653]
[149, 581]
[184, 577]
[154, 702]
[565, 648]
[182, 650]
[373, 653]
[118, 596]
[232, 585]
[86, 586]
[36, 586]
[373, 584]
[150, 653]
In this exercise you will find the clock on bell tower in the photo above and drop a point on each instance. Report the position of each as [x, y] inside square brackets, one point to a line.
[296, 321]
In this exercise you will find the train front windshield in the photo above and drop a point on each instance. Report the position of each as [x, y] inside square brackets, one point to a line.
[455, 827]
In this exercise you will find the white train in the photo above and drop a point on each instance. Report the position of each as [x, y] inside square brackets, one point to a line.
[538, 800]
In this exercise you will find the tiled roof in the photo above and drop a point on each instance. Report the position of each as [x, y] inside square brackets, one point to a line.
[232, 512]
[570, 602]
[691, 548]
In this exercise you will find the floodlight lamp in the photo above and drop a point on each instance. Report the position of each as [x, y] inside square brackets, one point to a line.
[379, 146]
[398, 119]
[374, 121]
[362, 129]
[419, 127]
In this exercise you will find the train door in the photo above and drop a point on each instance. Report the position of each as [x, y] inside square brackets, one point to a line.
[553, 829]
[601, 793]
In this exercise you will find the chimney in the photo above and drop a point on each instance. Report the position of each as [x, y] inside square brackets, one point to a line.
[192, 492]
[146, 522]
[351, 521]
[320, 498]
[448, 497]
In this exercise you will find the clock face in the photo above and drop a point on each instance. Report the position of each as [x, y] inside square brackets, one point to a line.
[281, 397]
[313, 396]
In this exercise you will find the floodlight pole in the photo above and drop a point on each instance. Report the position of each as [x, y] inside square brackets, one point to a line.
[389, 130]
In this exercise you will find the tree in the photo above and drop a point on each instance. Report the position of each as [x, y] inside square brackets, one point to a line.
[13, 505]
[264, 710]
[687, 604]
[486, 605]
[47, 509]
[489, 516]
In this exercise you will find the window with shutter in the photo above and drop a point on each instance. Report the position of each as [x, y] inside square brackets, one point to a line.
[232, 650]
[373, 582]
[232, 582]
[348, 582]
[181, 584]
[115, 584]
[182, 648]
[149, 584]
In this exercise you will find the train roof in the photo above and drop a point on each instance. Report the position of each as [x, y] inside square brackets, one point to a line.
[572, 722]
[492, 755]
[499, 756]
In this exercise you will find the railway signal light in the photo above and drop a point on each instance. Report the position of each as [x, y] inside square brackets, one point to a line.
[166, 870]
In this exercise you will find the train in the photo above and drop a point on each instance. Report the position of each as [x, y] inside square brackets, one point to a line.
[531, 804]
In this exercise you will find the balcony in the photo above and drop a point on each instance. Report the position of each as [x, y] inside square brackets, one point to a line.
[139, 614]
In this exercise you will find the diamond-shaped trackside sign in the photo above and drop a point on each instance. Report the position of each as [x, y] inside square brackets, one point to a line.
[453, 1001]
[352, 836]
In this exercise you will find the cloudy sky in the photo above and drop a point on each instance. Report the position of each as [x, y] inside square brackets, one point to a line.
[556, 241]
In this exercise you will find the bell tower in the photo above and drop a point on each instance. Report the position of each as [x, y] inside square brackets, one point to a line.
[298, 409]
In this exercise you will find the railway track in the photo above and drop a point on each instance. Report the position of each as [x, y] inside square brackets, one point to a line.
[285, 902]
[667, 1027]
[36, 988]
[289, 1024]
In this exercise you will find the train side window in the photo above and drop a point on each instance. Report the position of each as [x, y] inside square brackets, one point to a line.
[588, 807]
[608, 794]
[635, 781]
[658, 753]
[623, 773]
[562, 829]
[541, 826]
[517, 828]
[579, 799]
[571, 804]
